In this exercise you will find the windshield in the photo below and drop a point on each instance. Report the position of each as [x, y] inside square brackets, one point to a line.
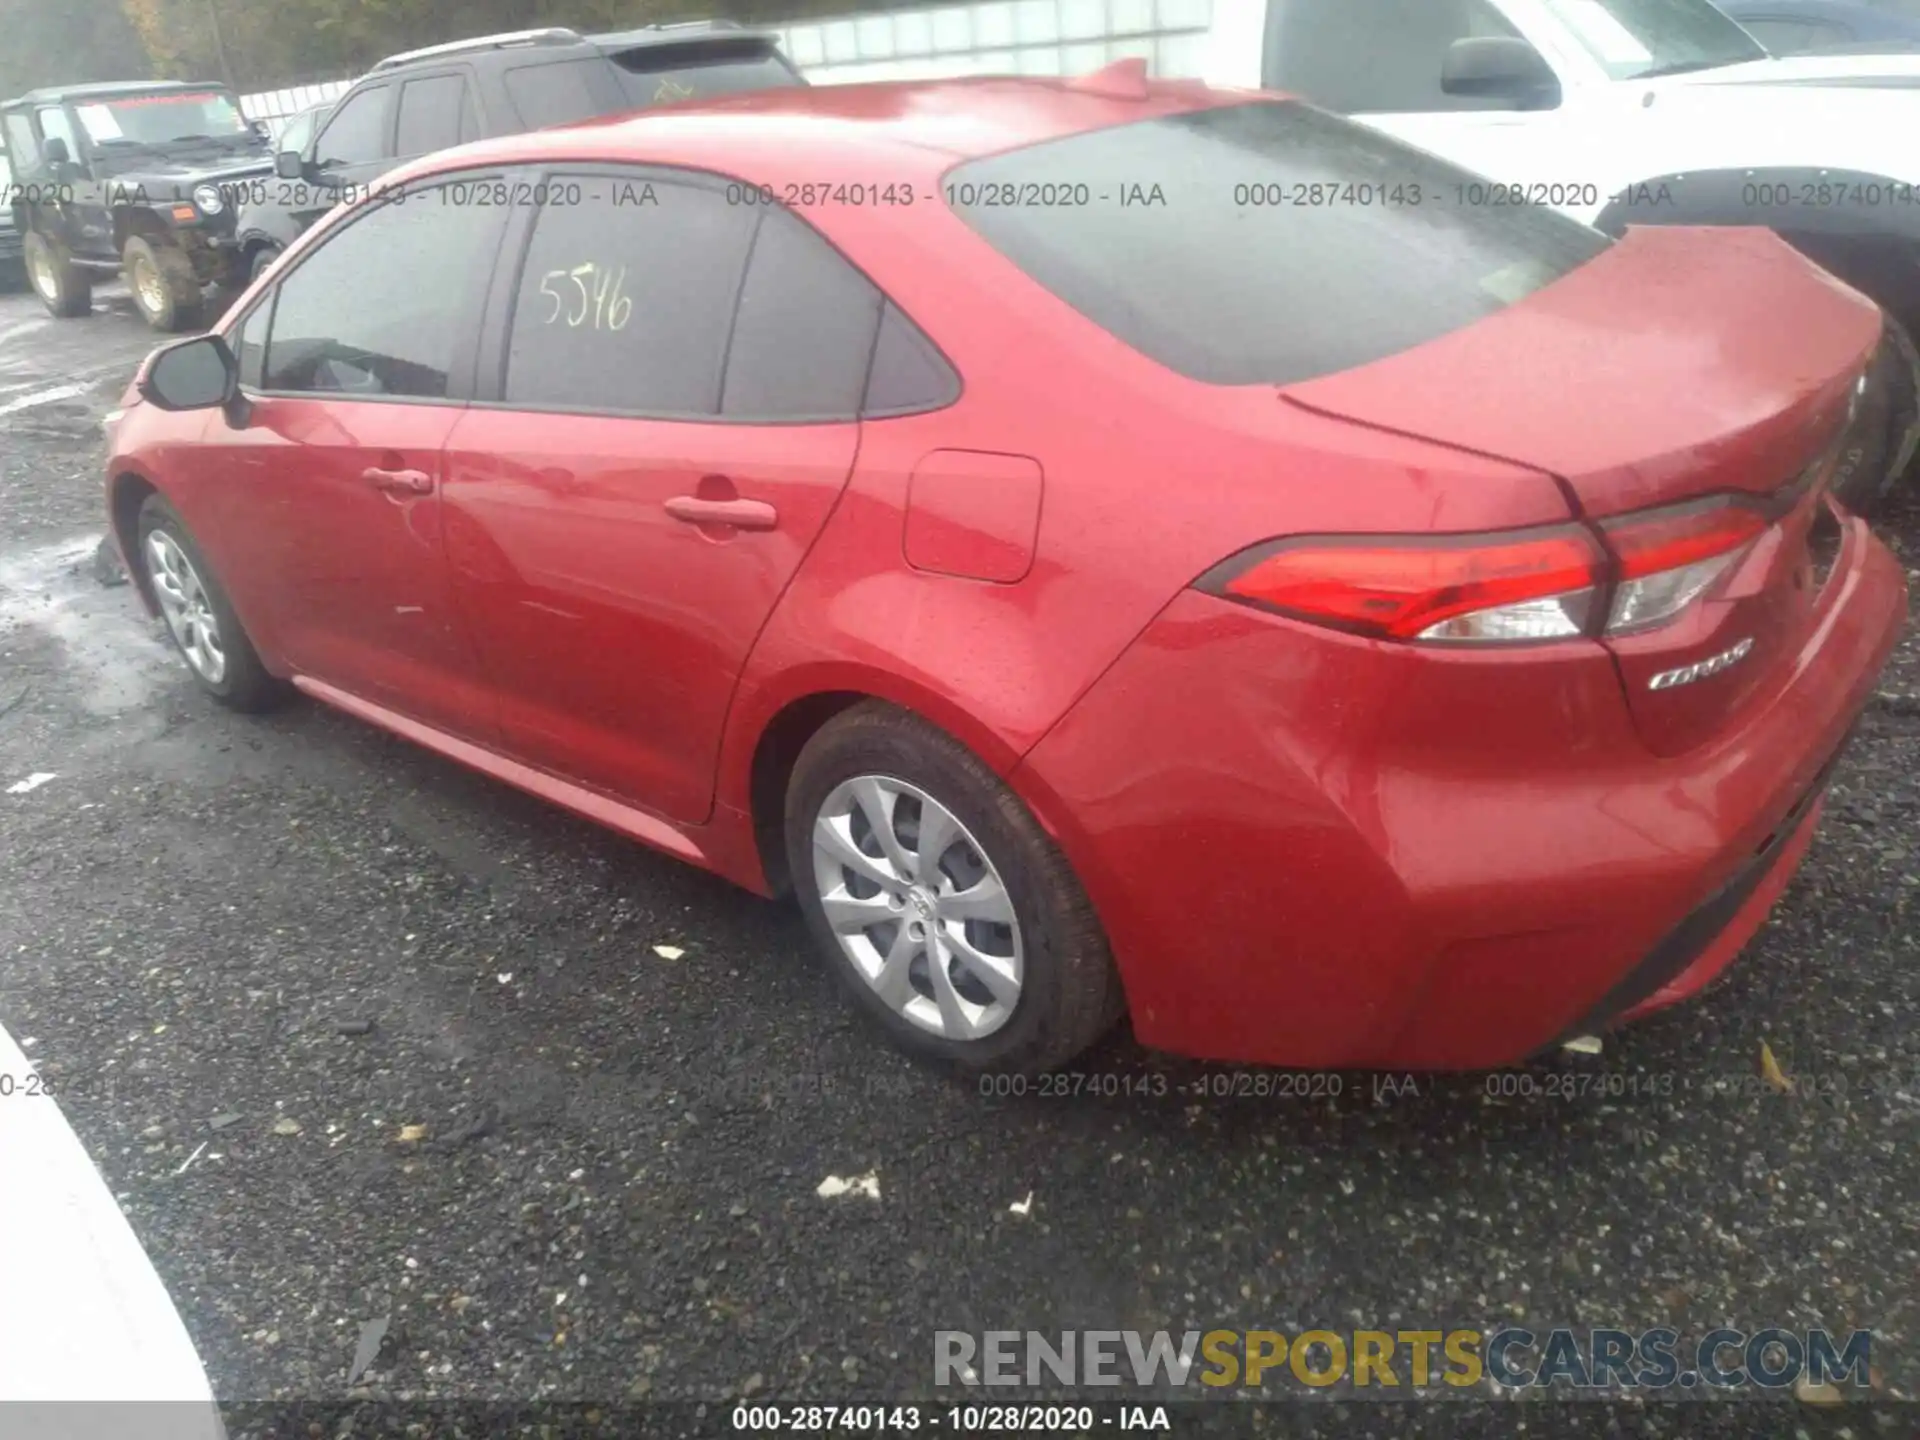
[160, 119]
[299, 130]
[1639, 39]
[1262, 244]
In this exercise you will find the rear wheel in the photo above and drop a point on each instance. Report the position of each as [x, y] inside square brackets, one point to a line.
[163, 284]
[64, 288]
[939, 902]
[200, 618]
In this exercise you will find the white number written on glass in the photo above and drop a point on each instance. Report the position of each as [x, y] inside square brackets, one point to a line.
[589, 294]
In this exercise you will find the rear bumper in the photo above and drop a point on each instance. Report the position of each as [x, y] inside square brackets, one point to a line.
[1320, 851]
[1691, 956]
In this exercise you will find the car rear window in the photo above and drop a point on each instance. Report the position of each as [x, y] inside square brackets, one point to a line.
[561, 92]
[693, 70]
[1264, 243]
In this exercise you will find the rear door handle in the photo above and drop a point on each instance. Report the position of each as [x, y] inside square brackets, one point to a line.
[740, 514]
[398, 482]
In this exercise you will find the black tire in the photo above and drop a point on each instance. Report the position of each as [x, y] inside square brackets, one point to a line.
[173, 302]
[246, 685]
[1069, 994]
[1880, 446]
[64, 288]
[262, 258]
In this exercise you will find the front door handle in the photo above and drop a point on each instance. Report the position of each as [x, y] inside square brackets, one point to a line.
[740, 514]
[399, 482]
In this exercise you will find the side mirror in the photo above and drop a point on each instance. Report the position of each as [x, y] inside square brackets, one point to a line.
[289, 165]
[1500, 67]
[195, 374]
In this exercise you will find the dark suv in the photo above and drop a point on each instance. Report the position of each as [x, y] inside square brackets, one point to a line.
[425, 100]
[130, 176]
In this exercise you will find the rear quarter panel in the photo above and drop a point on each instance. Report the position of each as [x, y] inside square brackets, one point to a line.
[1149, 480]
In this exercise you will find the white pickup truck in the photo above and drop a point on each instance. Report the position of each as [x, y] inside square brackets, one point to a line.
[1621, 112]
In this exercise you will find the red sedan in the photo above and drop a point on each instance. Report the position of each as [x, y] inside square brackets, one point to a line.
[1105, 546]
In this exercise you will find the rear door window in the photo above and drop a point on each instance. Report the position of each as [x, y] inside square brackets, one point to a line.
[1264, 243]
[909, 374]
[430, 111]
[803, 334]
[626, 308]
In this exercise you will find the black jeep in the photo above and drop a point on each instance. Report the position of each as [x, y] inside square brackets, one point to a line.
[134, 176]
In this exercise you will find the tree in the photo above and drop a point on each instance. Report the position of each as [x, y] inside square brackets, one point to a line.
[270, 43]
[66, 43]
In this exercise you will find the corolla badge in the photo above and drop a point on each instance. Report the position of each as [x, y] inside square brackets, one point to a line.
[1701, 669]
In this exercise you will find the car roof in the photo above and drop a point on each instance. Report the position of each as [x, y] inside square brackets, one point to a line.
[937, 121]
[98, 90]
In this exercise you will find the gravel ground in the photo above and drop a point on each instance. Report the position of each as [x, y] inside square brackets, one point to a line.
[355, 1034]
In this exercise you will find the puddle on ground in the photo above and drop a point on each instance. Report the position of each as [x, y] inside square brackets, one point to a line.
[120, 658]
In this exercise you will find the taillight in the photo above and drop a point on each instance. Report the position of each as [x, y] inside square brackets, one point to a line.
[1523, 585]
[1555, 583]
[1669, 558]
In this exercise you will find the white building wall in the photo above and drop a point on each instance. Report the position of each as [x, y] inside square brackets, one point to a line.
[1008, 37]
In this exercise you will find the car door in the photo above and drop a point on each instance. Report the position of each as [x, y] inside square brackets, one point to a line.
[83, 224]
[666, 416]
[356, 366]
[353, 148]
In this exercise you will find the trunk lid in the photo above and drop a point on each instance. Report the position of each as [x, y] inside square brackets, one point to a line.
[1679, 365]
[1679, 362]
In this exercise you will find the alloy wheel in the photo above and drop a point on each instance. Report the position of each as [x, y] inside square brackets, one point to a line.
[917, 907]
[41, 271]
[187, 607]
[147, 287]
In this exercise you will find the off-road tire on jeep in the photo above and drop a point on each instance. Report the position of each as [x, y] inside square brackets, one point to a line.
[164, 286]
[262, 257]
[64, 288]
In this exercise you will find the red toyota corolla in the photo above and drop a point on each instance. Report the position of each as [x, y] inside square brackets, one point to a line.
[1104, 546]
